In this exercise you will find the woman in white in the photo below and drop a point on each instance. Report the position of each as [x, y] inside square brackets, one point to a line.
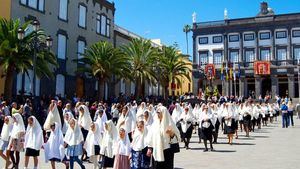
[122, 150]
[52, 117]
[246, 112]
[127, 120]
[162, 131]
[106, 147]
[115, 112]
[176, 113]
[265, 114]
[33, 141]
[217, 120]
[17, 139]
[229, 126]
[101, 119]
[206, 123]
[73, 141]
[92, 144]
[54, 147]
[67, 117]
[4, 139]
[186, 121]
[148, 119]
[140, 110]
[139, 158]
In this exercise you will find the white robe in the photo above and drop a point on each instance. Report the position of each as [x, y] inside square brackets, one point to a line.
[85, 119]
[54, 148]
[176, 113]
[101, 122]
[52, 117]
[18, 126]
[74, 137]
[139, 139]
[7, 128]
[186, 121]
[34, 135]
[93, 138]
[108, 140]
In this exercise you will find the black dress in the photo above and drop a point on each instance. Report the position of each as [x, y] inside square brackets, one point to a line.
[207, 132]
[230, 129]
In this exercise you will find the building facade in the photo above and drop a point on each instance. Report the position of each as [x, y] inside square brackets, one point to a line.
[267, 37]
[73, 25]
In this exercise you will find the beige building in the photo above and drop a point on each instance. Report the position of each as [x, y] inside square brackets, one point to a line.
[73, 25]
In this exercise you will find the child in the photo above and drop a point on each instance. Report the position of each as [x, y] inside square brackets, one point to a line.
[33, 141]
[4, 140]
[73, 141]
[122, 151]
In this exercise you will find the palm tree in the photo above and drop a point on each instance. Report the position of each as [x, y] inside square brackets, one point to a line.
[172, 68]
[102, 61]
[16, 55]
[142, 56]
[186, 30]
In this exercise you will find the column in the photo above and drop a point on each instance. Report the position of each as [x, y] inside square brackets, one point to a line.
[227, 88]
[274, 85]
[194, 49]
[257, 46]
[226, 83]
[231, 90]
[291, 81]
[289, 45]
[241, 52]
[257, 86]
[273, 58]
[241, 86]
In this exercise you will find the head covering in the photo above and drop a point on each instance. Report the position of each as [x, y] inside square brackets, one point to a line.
[85, 119]
[73, 136]
[7, 128]
[34, 135]
[54, 148]
[139, 139]
[66, 122]
[109, 137]
[122, 146]
[159, 139]
[101, 121]
[93, 138]
[176, 113]
[52, 117]
[18, 126]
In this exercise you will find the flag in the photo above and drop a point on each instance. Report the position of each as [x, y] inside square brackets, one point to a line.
[226, 71]
[222, 72]
[234, 72]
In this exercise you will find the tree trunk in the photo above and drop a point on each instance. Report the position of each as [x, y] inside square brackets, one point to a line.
[187, 43]
[9, 79]
[101, 89]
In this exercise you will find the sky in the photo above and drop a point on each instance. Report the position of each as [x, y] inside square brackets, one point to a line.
[164, 19]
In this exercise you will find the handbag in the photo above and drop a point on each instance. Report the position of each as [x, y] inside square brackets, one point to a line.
[175, 146]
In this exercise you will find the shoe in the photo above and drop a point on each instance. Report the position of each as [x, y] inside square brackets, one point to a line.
[205, 150]
[212, 149]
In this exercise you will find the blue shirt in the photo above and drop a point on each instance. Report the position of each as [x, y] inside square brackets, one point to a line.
[284, 107]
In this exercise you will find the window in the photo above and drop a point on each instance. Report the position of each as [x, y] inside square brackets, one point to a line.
[296, 33]
[234, 38]
[249, 55]
[60, 85]
[234, 57]
[218, 58]
[281, 56]
[265, 55]
[98, 23]
[108, 27]
[280, 34]
[80, 49]
[61, 46]
[249, 36]
[297, 53]
[203, 40]
[203, 58]
[132, 88]
[34, 4]
[82, 16]
[103, 25]
[264, 35]
[63, 10]
[217, 39]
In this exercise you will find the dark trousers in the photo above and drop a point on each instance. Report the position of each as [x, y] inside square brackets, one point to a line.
[290, 117]
[285, 120]
[168, 163]
[75, 159]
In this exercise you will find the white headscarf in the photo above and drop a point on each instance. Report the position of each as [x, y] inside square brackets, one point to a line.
[54, 148]
[66, 122]
[93, 138]
[159, 139]
[85, 120]
[7, 128]
[34, 135]
[141, 110]
[18, 126]
[109, 137]
[122, 146]
[74, 136]
[187, 119]
[139, 139]
[52, 117]
[101, 121]
[176, 113]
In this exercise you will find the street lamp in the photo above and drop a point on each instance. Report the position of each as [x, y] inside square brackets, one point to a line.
[21, 34]
[36, 25]
[49, 41]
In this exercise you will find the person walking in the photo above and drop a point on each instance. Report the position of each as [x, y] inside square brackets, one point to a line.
[284, 112]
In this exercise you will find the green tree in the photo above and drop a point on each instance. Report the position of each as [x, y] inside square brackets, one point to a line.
[142, 57]
[102, 61]
[17, 55]
[172, 68]
[186, 30]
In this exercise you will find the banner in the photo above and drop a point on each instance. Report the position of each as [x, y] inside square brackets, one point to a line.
[210, 71]
[262, 68]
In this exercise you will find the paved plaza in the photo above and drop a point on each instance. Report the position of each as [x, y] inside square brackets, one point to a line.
[272, 147]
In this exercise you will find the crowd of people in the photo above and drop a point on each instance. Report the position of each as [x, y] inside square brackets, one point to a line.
[131, 135]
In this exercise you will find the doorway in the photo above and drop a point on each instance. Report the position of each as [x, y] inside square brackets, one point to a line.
[79, 87]
[266, 86]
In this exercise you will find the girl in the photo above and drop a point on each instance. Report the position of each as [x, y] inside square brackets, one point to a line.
[33, 141]
[54, 148]
[229, 127]
[92, 144]
[186, 121]
[127, 120]
[122, 151]
[73, 141]
[109, 137]
[206, 122]
[67, 117]
[84, 122]
[4, 140]
[17, 139]
[52, 117]
[163, 132]
[139, 158]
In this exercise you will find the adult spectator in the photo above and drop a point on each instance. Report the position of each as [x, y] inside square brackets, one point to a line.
[284, 112]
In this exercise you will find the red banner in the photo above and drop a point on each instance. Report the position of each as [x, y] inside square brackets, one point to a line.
[210, 71]
[262, 68]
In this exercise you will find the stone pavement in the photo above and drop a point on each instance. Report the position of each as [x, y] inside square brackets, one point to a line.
[272, 147]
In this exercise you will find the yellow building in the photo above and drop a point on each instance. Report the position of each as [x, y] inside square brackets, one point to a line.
[5, 8]
[185, 85]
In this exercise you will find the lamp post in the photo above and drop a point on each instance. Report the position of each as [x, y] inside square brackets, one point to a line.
[37, 45]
